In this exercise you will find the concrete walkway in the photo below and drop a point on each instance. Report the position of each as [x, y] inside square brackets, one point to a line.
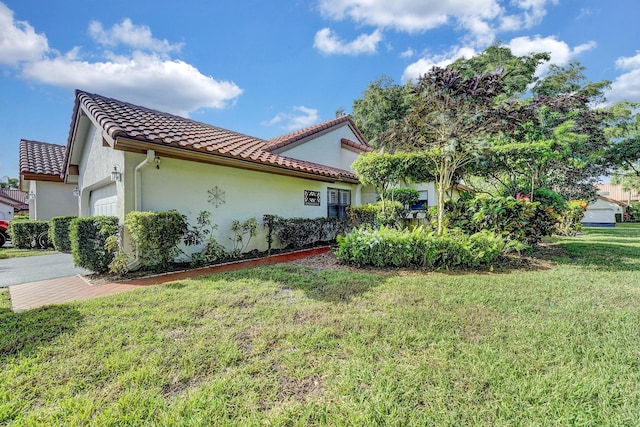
[72, 288]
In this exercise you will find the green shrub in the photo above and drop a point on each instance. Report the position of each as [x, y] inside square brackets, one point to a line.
[59, 232]
[550, 199]
[407, 196]
[28, 234]
[88, 237]
[156, 236]
[570, 218]
[241, 230]
[300, 232]
[20, 218]
[420, 247]
[373, 216]
[513, 219]
[634, 211]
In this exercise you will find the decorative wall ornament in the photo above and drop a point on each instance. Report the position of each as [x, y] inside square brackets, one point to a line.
[311, 198]
[216, 196]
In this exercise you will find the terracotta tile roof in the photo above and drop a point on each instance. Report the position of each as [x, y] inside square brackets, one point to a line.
[41, 158]
[15, 198]
[124, 120]
[14, 194]
[290, 138]
[358, 146]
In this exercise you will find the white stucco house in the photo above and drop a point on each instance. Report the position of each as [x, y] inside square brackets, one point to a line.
[602, 212]
[123, 157]
[12, 203]
[42, 179]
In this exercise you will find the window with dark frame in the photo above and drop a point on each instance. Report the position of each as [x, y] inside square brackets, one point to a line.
[423, 201]
[337, 202]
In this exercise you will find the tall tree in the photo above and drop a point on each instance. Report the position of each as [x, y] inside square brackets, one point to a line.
[624, 152]
[383, 104]
[450, 123]
[519, 71]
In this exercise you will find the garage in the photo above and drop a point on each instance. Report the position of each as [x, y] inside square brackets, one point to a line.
[601, 213]
[104, 201]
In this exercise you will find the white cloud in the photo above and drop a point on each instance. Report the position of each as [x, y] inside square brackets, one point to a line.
[426, 63]
[300, 118]
[134, 36]
[561, 53]
[326, 41]
[627, 85]
[407, 53]
[480, 19]
[534, 11]
[150, 78]
[407, 15]
[18, 40]
[167, 85]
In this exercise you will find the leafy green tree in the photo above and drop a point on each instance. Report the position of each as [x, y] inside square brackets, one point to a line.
[518, 74]
[383, 104]
[450, 124]
[10, 183]
[624, 152]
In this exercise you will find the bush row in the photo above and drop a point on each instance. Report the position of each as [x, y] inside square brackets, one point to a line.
[300, 232]
[29, 234]
[420, 247]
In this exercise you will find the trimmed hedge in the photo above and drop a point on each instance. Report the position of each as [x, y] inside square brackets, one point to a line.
[300, 232]
[88, 236]
[371, 214]
[29, 234]
[420, 247]
[156, 236]
[59, 232]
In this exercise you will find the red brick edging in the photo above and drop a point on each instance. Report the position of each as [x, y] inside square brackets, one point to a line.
[229, 266]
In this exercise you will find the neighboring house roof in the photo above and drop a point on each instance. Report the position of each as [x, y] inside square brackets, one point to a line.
[134, 128]
[41, 161]
[617, 202]
[616, 192]
[311, 131]
[13, 197]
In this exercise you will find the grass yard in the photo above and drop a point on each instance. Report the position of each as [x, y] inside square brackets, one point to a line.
[287, 345]
[16, 253]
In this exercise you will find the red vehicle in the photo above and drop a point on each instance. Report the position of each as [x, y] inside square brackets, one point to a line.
[4, 232]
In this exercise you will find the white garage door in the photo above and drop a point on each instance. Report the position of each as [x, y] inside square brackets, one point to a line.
[104, 201]
[605, 216]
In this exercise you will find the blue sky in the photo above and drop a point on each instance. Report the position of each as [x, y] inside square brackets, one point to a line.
[267, 67]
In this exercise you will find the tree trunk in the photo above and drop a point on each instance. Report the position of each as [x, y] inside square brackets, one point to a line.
[441, 190]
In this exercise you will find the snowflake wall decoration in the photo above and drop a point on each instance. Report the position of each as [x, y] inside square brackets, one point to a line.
[216, 196]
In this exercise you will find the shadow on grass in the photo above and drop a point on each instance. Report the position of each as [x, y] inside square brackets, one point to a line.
[610, 256]
[338, 286]
[27, 331]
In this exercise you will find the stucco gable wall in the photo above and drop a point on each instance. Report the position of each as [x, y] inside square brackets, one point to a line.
[95, 168]
[325, 149]
[190, 187]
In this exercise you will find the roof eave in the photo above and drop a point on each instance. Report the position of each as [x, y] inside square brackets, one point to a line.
[136, 146]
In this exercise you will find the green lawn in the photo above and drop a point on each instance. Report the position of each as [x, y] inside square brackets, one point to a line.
[16, 253]
[284, 345]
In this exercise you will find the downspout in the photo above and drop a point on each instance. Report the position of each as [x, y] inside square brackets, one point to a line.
[137, 183]
[151, 155]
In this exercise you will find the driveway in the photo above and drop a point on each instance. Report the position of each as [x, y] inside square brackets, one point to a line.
[14, 271]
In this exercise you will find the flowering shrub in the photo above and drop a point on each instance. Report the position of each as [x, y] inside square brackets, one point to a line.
[420, 247]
